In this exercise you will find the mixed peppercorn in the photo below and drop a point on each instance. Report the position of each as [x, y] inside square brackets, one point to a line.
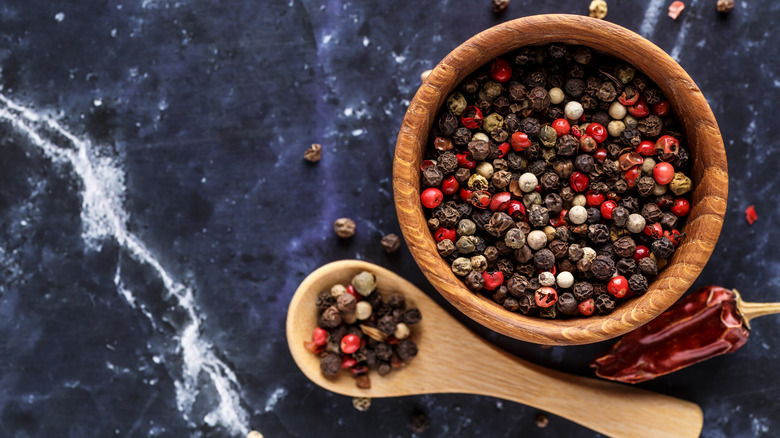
[358, 330]
[555, 181]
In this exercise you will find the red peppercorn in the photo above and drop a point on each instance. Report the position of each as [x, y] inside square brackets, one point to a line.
[480, 199]
[358, 370]
[674, 236]
[516, 210]
[606, 209]
[597, 131]
[618, 286]
[561, 127]
[351, 290]
[520, 141]
[588, 143]
[663, 173]
[350, 344]
[465, 161]
[500, 201]
[646, 149]
[503, 149]
[631, 175]
[431, 197]
[600, 155]
[347, 362]
[594, 199]
[545, 296]
[579, 181]
[575, 131]
[681, 207]
[625, 101]
[450, 185]
[639, 109]
[426, 164]
[320, 336]
[629, 160]
[445, 233]
[587, 307]
[465, 194]
[661, 108]
[668, 146]
[560, 219]
[493, 279]
[442, 144]
[654, 230]
[641, 252]
[311, 347]
[500, 70]
[471, 117]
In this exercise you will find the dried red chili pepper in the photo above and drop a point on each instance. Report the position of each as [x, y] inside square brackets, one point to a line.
[750, 215]
[707, 323]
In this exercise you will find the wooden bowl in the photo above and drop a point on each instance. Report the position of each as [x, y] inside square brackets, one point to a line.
[709, 175]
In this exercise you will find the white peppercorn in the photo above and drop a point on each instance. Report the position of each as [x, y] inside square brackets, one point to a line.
[556, 95]
[536, 239]
[364, 283]
[615, 128]
[588, 253]
[528, 182]
[578, 214]
[565, 280]
[401, 331]
[481, 136]
[514, 238]
[635, 223]
[617, 111]
[630, 121]
[460, 267]
[363, 310]
[647, 166]
[546, 278]
[484, 169]
[579, 200]
[573, 110]
[338, 290]
[549, 231]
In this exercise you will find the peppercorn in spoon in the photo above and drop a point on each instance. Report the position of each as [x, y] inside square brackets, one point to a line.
[439, 367]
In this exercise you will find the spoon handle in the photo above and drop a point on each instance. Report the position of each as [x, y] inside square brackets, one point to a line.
[616, 410]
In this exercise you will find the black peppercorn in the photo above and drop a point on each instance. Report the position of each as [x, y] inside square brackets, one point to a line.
[330, 318]
[662, 248]
[582, 290]
[548, 312]
[447, 162]
[330, 364]
[584, 163]
[603, 267]
[499, 223]
[517, 284]
[538, 216]
[406, 349]
[411, 316]
[432, 176]
[624, 247]
[523, 254]
[505, 266]
[626, 267]
[620, 216]
[638, 284]
[598, 233]
[325, 300]
[567, 304]
[479, 149]
[550, 181]
[474, 281]
[544, 259]
[530, 126]
[511, 304]
[648, 267]
[559, 248]
[526, 304]
[566, 145]
[645, 185]
[462, 136]
[574, 87]
[594, 216]
[448, 123]
[652, 213]
[607, 92]
[554, 203]
[604, 304]
[669, 221]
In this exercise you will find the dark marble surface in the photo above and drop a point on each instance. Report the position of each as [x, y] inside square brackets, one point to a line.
[157, 214]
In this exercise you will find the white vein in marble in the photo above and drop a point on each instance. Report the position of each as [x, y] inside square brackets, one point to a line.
[104, 217]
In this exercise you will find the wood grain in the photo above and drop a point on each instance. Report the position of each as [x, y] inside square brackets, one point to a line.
[452, 359]
[709, 175]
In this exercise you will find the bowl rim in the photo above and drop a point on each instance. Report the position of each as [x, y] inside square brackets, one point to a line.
[710, 175]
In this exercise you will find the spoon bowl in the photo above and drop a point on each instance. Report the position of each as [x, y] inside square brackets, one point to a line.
[452, 359]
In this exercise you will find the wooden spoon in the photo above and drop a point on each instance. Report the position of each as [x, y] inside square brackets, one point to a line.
[452, 359]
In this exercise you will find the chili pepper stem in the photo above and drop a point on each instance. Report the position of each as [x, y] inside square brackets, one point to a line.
[754, 310]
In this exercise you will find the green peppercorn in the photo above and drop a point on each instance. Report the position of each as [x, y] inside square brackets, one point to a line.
[461, 266]
[680, 184]
[625, 73]
[548, 136]
[514, 238]
[492, 121]
[456, 103]
[490, 91]
[477, 182]
[364, 283]
[531, 199]
[466, 227]
[479, 263]
[466, 244]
